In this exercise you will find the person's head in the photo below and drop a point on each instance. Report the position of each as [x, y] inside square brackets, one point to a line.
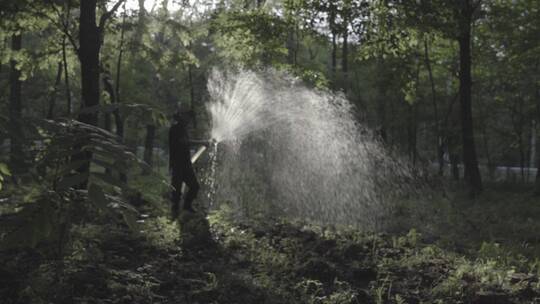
[183, 117]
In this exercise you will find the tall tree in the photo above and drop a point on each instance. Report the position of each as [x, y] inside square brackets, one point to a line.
[150, 135]
[464, 15]
[438, 136]
[90, 45]
[54, 92]
[454, 19]
[118, 119]
[15, 106]
[537, 97]
[90, 42]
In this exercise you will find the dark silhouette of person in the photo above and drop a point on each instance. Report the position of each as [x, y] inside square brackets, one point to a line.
[180, 162]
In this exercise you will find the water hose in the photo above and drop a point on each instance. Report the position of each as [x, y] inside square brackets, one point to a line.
[198, 154]
[194, 158]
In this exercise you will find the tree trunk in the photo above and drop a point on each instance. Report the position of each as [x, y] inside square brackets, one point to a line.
[381, 103]
[108, 87]
[90, 44]
[15, 109]
[192, 93]
[454, 163]
[332, 25]
[66, 76]
[537, 181]
[490, 165]
[149, 147]
[472, 173]
[532, 150]
[438, 137]
[522, 152]
[412, 131]
[292, 46]
[114, 91]
[119, 121]
[334, 59]
[391, 125]
[345, 59]
[521, 158]
[52, 101]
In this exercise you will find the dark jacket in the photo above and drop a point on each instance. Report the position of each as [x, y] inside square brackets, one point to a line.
[179, 148]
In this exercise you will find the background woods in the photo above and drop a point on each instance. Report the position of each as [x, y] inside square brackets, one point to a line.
[431, 70]
[449, 90]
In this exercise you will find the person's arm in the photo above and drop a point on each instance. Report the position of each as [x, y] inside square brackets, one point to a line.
[203, 142]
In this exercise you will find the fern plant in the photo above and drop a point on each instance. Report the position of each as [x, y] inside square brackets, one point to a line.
[60, 202]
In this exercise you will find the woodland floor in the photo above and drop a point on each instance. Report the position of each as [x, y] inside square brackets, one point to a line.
[265, 261]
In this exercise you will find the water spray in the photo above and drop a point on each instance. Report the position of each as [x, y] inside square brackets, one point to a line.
[290, 150]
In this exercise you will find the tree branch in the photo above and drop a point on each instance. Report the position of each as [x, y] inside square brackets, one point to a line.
[65, 30]
[108, 14]
[61, 24]
[72, 42]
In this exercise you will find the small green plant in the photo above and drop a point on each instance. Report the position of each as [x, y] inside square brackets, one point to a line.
[312, 290]
[383, 291]
[399, 299]
[490, 251]
[504, 257]
[161, 232]
[4, 172]
[344, 294]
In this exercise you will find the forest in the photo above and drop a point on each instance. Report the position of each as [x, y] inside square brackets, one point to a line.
[270, 151]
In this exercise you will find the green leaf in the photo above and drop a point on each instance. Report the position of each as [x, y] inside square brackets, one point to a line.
[4, 170]
[96, 195]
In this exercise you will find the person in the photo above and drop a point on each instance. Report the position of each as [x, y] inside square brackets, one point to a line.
[180, 163]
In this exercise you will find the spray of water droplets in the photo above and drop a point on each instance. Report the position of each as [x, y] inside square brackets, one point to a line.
[286, 149]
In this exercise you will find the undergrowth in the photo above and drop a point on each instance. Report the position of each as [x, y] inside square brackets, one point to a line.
[263, 260]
